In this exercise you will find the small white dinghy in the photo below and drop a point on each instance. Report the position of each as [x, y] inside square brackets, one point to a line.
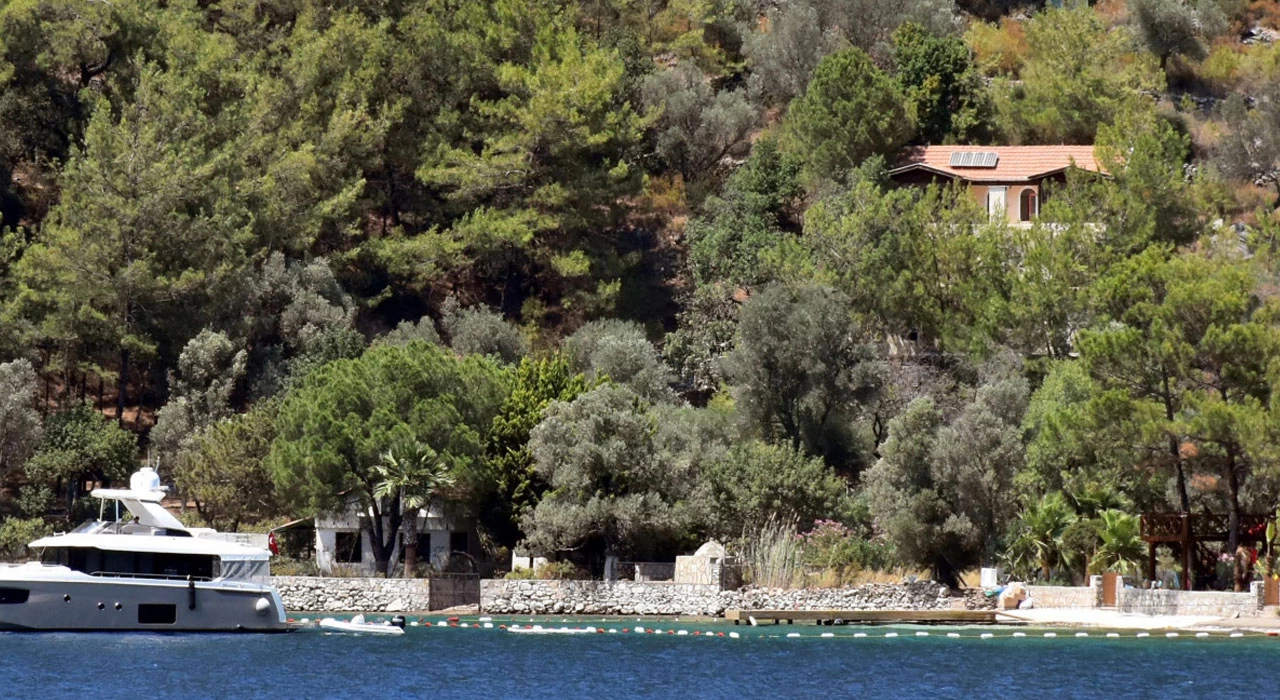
[358, 624]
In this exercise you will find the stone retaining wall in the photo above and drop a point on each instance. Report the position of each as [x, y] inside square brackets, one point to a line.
[327, 594]
[1167, 602]
[525, 597]
[1065, 596]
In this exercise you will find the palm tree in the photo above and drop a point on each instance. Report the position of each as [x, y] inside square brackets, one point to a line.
[1041, 529]
[414, 472]
[1121, 542]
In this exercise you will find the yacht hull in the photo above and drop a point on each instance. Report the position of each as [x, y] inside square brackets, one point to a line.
[123, 604]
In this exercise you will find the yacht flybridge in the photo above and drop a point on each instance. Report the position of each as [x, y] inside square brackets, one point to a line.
[144, 572]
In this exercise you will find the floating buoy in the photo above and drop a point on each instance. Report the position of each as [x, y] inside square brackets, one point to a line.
[859, 635]
[452, 619]
[1140, 635]
[591, 629]
[288, 619]
[793, 635]
[488, 625]
[1082, 634]
[1113, 635]
[1050, 635]
[1236, 635]
[682, 633]
[892, 634]
[1202, 635]
[986, 635]
[638, 630]
[922, 634]
[305, 621]
[733, 635]
[953, 635]
[486, 619]
[826, 635]
[502, 627]
[1171, 635]
[719, 634]
[1019, 634]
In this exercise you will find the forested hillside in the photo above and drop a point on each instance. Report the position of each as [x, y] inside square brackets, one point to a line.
[622, 275]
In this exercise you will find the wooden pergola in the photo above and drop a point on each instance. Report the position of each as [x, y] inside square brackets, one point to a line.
[1187, 531]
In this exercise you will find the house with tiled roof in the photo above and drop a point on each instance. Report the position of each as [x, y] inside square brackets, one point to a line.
[1008, 180]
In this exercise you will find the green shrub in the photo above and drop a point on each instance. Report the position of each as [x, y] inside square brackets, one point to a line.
[15, 533]
[561, 571]
[832, 546]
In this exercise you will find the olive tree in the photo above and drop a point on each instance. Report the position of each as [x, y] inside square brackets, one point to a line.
[20, 423]
[619, 351]
[801, 371]
[610, 489]
[942, 490]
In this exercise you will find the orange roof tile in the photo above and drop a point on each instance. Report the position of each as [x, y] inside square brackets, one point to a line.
[1016, 163]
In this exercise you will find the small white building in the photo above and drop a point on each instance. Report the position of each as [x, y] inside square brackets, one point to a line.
[343, 545]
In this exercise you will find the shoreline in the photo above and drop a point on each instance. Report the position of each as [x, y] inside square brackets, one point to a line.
[1068, 618]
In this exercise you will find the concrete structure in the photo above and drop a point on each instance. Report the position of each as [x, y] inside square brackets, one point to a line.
[704, 566]
[1065, 596]
[1008, 180]
[343, 546]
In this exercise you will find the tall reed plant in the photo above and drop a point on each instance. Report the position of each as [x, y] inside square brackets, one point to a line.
[773, 555]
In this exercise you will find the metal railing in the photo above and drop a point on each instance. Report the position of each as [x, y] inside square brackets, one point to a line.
[157, 577]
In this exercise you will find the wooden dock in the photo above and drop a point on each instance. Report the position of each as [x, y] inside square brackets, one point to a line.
[866, 617]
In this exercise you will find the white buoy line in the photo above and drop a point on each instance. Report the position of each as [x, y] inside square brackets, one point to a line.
[487, 623]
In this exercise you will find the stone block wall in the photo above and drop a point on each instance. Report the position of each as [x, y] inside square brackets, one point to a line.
[326, 594]
[1168, 602]
[1065, 596]
[523, 597]
[921, 595]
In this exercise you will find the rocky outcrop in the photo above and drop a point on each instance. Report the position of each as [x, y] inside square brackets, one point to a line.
[524, 597]
[326, 594]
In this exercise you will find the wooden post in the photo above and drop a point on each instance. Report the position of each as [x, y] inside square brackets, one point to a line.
[1151, 561]
[1187, 574]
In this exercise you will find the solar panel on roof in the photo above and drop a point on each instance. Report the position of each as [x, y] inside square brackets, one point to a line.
[974, 159]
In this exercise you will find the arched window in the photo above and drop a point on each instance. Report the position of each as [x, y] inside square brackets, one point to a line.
[1028, 204]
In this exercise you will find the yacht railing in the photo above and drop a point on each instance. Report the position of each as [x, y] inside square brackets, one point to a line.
[158, 577]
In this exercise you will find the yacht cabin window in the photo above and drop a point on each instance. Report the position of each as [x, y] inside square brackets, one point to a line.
[96, 562]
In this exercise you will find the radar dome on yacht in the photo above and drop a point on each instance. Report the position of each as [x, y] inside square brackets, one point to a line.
[144, 480]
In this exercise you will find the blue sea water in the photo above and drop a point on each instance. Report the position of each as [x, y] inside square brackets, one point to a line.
[482, 663]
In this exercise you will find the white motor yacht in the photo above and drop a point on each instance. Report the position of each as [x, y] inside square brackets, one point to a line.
[145, 572]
